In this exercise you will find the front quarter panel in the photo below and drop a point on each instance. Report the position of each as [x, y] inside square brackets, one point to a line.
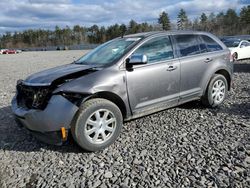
[106, 80]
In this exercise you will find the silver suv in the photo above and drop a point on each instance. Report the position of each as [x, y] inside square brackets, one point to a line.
[123, 79]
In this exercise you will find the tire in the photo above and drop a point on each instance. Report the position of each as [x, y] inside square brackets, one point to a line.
[97, 124]
[216, 91]
[235, 56]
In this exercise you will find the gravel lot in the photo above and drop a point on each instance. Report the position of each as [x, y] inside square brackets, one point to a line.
[187, 146]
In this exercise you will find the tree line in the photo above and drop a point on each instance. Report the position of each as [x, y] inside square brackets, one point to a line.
[223, 23]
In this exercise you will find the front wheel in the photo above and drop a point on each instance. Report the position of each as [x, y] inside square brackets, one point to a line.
[216, 91]
[97, 125]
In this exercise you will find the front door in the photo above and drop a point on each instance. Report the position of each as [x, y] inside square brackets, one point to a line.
[156, 83]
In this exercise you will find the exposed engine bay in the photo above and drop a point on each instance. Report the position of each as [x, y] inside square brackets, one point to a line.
[37, 97]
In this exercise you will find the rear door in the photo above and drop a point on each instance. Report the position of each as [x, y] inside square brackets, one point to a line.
[156, 83]
[195, 60]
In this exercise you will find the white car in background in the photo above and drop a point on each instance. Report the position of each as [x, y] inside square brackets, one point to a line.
[240, 49]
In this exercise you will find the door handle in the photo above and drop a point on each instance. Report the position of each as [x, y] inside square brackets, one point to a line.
[171, 68]
[208, 60]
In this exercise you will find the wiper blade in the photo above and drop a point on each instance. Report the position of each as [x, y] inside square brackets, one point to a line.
[79, 63]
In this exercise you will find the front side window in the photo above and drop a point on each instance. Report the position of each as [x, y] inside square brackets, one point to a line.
[157, 49]
[187, 45]
[211, 44]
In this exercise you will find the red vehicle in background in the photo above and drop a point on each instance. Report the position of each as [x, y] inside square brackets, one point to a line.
[9, 51]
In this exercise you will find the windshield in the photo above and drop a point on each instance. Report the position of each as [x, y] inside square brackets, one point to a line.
[108, 52]
[232, 43]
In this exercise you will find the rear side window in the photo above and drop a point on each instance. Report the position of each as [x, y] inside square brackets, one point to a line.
[187, 44]
[157, 49]
[203, 47]
[211, 44]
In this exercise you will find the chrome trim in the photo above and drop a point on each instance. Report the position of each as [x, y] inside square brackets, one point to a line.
[36, 84]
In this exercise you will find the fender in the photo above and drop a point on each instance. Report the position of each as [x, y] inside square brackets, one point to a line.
[220, 68]
[97, 83]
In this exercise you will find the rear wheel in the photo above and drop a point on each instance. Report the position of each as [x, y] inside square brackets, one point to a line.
[97, 125]
[216, 91]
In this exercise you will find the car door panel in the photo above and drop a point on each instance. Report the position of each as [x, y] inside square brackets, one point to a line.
[197, 56]
[193, 65]
[156, 83]
[192, 71]
[153, 84]
[246, 52]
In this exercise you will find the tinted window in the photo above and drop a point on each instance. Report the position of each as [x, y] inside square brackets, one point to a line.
[244, 44]
[211, 44]
[187, 44]
[157, 49]
[203, 47]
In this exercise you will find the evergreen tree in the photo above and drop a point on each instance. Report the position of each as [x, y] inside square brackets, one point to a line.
[123, 29]
[203, 22]
[196, 24]
[219, 27]
[231, 21]
[211, 22]
[164, 21]
[245, 19]
[182, 20]
[133, 27]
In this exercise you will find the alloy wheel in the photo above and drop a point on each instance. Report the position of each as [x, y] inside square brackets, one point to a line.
[218, 91]
[100, 126]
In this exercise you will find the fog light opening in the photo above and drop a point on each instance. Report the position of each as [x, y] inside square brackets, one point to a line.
[64, 134]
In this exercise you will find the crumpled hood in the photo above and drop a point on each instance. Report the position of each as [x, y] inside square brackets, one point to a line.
[69, 71]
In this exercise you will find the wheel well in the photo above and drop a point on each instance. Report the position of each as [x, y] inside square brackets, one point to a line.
[226, 75]
[235, 55]
[113, 98]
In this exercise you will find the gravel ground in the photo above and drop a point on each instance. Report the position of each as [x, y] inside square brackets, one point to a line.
[187, 146]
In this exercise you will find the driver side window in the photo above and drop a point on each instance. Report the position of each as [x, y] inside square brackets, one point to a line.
[157, 49]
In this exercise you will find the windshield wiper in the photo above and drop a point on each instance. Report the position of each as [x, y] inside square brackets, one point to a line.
[80, 63]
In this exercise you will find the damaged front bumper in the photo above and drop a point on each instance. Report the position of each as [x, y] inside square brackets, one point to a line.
[46, 125]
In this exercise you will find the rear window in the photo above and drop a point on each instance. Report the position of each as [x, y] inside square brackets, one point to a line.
[210, 44]
[187, 44]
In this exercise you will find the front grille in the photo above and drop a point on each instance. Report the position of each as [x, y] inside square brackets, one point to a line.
[33, 97]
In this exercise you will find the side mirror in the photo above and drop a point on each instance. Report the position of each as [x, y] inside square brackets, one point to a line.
[137, 59]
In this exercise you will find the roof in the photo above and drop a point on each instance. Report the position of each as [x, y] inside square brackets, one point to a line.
[171, 32]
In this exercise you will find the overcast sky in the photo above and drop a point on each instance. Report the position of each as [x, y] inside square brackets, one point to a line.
[16, 15]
